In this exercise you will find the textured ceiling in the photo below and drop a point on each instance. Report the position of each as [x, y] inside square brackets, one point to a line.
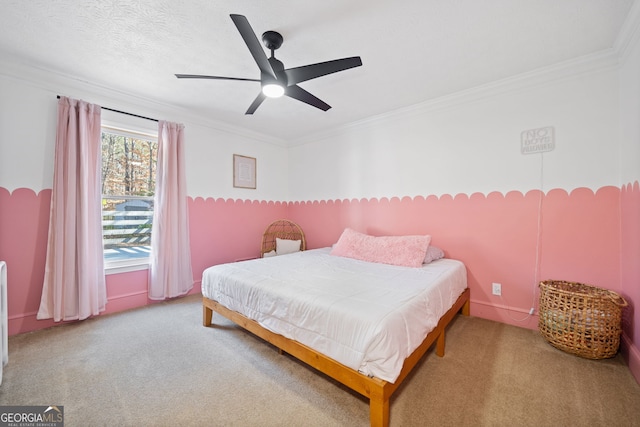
[412, 50]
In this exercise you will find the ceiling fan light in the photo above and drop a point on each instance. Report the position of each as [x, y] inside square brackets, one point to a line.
[273, 90]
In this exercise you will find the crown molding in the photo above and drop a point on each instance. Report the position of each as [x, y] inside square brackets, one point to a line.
[629, 35]
[612, 58]
[66, 85]
[604, 60]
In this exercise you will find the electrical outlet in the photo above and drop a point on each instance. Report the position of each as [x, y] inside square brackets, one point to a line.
[496, 289]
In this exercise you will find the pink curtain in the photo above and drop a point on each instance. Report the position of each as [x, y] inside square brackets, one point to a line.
[170, 270]
[74, 283]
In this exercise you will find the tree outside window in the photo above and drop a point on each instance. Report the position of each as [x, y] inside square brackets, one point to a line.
[128, 186]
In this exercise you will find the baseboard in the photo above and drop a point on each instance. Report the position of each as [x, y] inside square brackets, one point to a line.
[503, 314]
[27, 322]
[631, 355]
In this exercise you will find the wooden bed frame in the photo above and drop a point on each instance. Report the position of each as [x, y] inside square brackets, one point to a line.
[378, 391]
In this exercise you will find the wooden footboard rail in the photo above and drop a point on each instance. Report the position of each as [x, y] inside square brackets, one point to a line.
[376, 390]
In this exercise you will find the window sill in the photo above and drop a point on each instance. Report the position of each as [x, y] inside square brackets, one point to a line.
[126, 265]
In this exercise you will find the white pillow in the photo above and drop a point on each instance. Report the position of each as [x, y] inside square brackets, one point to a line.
[284, 246]
[433, 253]
[269, 254]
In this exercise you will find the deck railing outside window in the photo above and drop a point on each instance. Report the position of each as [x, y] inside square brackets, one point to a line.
[126, 226]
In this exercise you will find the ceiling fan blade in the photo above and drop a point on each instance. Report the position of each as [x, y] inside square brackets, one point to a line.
[253, 44]
[308, 72]
[300, 94]
[256, 103]
[198, 76]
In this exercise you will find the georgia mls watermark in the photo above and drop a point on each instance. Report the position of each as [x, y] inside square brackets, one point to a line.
[31, 416]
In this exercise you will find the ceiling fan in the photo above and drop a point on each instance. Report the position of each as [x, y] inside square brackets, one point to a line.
[274, 78]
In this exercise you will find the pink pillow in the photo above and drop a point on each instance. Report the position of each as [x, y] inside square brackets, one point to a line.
[407, 251]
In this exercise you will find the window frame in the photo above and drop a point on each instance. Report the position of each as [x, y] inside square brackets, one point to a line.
[138, 131]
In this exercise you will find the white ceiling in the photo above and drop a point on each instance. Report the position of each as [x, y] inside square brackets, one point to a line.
[412, 50]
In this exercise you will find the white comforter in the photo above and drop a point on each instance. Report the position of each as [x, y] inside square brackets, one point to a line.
[367, 316]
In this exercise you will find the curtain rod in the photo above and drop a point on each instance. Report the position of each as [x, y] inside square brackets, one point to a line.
[124, 112]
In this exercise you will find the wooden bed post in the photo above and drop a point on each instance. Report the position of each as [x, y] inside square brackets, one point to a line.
[207, 315]
[440, 344]
[378, 410]
[466, 308]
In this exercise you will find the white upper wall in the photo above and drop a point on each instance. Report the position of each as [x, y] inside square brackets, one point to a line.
[471, 142]
[28, 113]
[27, 135]
[464, 143]
[630, 101]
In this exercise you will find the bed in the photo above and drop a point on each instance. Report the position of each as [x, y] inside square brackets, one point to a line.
[364, 324]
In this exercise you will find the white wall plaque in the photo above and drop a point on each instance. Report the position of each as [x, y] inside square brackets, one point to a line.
[537, 140]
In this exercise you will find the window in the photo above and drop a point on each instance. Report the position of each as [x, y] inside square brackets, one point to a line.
[128, 185]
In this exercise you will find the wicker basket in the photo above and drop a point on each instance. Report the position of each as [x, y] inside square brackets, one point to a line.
[581, 319]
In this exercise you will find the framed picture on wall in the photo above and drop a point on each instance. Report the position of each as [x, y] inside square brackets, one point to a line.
[244, 171]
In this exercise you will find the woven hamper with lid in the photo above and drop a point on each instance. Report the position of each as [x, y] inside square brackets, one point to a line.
[581, 319]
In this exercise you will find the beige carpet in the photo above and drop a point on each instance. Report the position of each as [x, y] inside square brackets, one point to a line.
[158, 366]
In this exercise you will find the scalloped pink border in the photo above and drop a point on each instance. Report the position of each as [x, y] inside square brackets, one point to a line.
[584, 236]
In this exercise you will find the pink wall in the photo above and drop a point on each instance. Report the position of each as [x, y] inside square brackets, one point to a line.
[630, 270]
[583, 236]
[221, 231]
[496, 235]
[24, 221]
[228, 230]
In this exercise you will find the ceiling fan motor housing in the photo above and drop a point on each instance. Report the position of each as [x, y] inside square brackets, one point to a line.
[272, 40]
